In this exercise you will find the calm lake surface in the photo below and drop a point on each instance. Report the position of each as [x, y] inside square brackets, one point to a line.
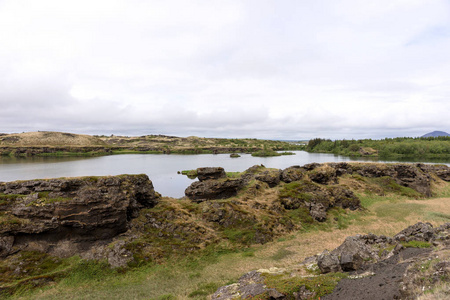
[160, 168]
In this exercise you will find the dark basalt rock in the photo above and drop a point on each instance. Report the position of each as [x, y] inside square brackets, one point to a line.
[418, 232]
[271, 177]
[249, 285]
[36, 150]
[359, 250]
[293, 173]
[213, 189]
[404, 174]
[209, 173]
[318, 199]
[323, 174]
[441, 171]
[65, 216]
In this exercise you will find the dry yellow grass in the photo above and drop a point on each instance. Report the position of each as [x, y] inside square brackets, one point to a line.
[49, 138]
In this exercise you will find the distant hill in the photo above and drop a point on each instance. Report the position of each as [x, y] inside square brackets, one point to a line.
[49, 138]
[436, 134]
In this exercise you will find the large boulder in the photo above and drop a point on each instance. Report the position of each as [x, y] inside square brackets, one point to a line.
[271, 177]
[293, 173]
[351, 254]
[209, 173]
[323, 174]
[65, 216]
[317, 198]
[418, 232]
[248, 286]
[213, 189]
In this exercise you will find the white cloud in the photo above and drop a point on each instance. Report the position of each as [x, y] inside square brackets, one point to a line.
[267, 69]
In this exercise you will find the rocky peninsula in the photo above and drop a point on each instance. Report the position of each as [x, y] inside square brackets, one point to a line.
[49, 143]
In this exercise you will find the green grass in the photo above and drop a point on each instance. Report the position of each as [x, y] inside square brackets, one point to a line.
[397, 211]
[265, 153]
[287, 153]
[389, 185]
[74, 154]
[281, 254]
[127, 151]
[244, 236]
[32, 270]
[204, 289]
[233, 174]
[438, 216]
[190, 173]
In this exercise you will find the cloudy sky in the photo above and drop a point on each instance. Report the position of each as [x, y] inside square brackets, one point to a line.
[280, 69]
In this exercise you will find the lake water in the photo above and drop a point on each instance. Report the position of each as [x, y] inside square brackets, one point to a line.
[160, 168]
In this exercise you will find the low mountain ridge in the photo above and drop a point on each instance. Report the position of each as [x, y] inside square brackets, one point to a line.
[435, 133]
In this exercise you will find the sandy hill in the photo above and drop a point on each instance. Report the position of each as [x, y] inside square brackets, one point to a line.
[49, 138]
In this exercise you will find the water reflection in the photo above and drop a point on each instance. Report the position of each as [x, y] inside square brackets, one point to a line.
[161, 168]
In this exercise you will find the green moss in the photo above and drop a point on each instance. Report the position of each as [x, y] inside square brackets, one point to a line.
[388, 249]
[190, 206]
[6, 199]
[321, 285]
[416, 244]
[233, 174]
[244, 236]
[190, 173]
[10, 221]
[300, 216]
[43, 199]
[30, 270]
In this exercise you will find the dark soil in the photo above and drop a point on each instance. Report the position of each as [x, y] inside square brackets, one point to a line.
[384, 284]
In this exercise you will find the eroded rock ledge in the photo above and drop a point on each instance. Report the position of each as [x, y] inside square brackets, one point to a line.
[319, 187]
[66, 216]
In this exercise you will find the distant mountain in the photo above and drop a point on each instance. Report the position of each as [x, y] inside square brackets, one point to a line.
[436, 134]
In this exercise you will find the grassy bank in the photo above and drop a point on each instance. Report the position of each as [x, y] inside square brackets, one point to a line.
[432, 148]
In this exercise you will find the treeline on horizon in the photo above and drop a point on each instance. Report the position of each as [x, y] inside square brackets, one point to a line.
[388, 147]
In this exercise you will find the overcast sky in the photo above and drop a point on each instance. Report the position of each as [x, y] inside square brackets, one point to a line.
[281, 69]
